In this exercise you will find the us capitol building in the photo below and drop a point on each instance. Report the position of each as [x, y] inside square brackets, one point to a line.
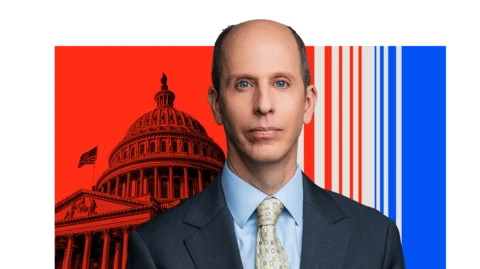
[166, 156]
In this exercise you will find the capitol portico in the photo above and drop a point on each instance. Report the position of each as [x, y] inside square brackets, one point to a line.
[166, 156]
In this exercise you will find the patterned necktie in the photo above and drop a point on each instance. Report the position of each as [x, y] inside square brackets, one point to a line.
[270, 252]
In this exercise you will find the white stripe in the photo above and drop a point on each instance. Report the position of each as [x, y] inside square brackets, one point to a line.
[385, 132]
[300, 150]
[368, 138]
[399, 141]
[355, 123]
[346, 120]
[377, 116]
[335, 121]
[320, 117]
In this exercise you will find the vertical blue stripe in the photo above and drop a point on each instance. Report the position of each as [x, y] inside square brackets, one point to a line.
[424, 156]
[381, 128]
[392, 132]
[375, 131]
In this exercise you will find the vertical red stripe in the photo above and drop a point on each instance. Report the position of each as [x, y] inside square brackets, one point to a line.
[340, 127]
[360, 124]
[309, 129]
[351, 123]
[328, 117]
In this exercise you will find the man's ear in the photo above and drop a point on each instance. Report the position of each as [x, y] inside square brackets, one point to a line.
[214, 102]
[310, 102]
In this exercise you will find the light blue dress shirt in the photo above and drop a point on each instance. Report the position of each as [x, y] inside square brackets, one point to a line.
[242, 201]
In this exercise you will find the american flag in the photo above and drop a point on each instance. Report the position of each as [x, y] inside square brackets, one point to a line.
[88, 157]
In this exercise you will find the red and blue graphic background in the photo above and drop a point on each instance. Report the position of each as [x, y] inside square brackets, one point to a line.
[101, 91]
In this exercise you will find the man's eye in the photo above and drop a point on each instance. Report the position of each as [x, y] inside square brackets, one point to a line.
[281, 84]
[243, 84]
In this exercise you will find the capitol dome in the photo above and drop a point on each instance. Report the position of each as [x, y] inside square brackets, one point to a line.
[165, 157]
[166, 154]
[165, 117]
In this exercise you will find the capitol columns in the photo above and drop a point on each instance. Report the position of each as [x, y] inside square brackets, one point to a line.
[67, 259]
[145, 185]
[109, 187]
[106, 247]
[128, 192]
[185, 182]
[77, 261]
[200, 181]
[126, 233]
[64, 259]
[155, 182]
[142, 189]
[170, 182]
[116, 260]
[86, 251]
[117, 185]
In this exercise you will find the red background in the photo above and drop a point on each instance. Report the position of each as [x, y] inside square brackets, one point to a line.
[101, 91]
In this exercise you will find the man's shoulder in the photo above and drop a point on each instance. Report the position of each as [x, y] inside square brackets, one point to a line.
[358, 213]
[343, 207]
[162, 238]
[186, 218]
[167, 222]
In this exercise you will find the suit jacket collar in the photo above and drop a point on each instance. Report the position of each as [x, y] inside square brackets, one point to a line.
[323, 245]
[214, 245]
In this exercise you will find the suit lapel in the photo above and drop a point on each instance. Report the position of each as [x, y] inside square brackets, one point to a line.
[323, 245]
[214, 245]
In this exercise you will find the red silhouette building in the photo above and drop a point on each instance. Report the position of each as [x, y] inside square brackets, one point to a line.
[166, 156]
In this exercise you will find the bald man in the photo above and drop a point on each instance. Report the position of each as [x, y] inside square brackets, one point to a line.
[262, 211]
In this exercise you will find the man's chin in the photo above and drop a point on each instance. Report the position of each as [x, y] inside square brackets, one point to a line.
[266, 158]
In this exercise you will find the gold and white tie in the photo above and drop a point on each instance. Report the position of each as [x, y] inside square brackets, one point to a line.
[270, 252]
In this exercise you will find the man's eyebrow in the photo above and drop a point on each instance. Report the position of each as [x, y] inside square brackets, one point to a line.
[287, 75]
[237, 76]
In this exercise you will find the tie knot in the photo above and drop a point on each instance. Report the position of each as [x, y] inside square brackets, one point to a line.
[268, 211]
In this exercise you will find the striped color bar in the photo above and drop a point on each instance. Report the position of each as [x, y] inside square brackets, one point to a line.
[355, 128]
[378, 137]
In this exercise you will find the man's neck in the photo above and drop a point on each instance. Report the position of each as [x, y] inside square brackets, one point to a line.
[268, 178]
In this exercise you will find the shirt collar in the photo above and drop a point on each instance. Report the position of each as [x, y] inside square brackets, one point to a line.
[243, 199]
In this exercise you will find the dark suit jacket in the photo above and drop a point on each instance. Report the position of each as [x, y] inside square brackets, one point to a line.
[199, 233]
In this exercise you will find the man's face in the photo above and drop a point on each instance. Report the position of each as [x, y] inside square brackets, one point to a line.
[262, 102]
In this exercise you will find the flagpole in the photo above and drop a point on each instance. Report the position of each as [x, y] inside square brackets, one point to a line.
[94, 164]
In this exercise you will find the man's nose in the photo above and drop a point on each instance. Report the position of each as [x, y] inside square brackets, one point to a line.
[263, 100]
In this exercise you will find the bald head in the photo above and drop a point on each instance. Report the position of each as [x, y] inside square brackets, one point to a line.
[260, 29]
[257, 35]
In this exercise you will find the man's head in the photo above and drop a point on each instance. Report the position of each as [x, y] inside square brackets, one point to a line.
[218, 57]
[265, 95]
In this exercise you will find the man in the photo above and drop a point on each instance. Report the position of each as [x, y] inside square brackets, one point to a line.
[261, 211]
